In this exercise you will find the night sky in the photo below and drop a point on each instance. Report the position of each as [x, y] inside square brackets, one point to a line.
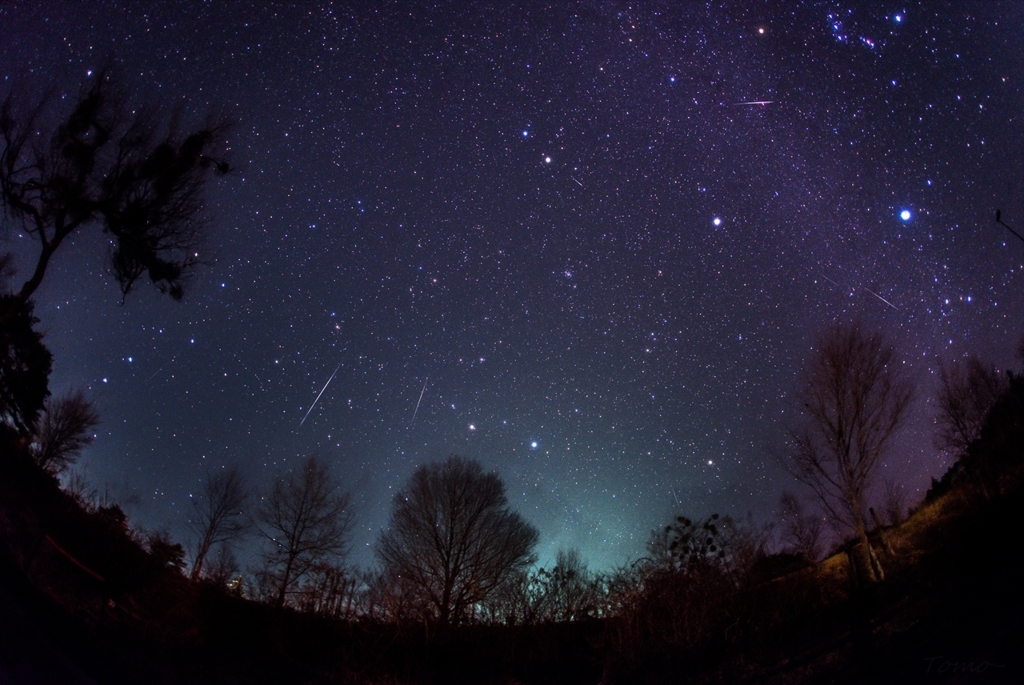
[592, 242]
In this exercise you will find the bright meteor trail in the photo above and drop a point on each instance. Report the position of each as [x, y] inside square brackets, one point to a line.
[318, 396]
[419, 400]
[408, 225]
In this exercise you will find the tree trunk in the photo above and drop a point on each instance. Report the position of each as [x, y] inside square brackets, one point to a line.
[444, 611]
[881, 534]
[284, 585]
[197, 567]
[870, 568]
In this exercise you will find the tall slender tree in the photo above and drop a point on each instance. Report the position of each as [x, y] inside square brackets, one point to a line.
[305, 521]
[218, 514]
[855, 395]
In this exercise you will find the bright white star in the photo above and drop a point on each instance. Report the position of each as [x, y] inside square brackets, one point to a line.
[905, 215]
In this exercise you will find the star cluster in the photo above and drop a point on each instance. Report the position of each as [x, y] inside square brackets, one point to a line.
[589, 244]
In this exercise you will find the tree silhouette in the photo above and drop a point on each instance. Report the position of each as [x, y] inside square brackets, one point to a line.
[453, 540]
[569, 591]
[306, 522]
[801, 531]
[64, 431]
[102, 164]
[124, 170]
[967, 391]
[165, 552]
[855, 395]
[218, 514]
[25, 365]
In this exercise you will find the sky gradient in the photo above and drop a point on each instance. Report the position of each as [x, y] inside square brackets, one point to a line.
[589, 244]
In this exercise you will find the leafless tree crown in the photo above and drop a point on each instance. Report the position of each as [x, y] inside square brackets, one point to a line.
[801, 530]
[453, 540]
[855, 395]
[218, 514]
[967, 391]
[306, 522]
[64, 431]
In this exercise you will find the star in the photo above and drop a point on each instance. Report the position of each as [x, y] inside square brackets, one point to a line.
[596, 308]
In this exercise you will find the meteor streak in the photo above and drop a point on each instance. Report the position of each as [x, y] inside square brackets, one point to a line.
[830, 280]
[418, 401]
[318, 396]
[756, 102]
[864, 287]
[880, 297]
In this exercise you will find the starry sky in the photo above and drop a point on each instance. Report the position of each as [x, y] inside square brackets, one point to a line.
[587, 243]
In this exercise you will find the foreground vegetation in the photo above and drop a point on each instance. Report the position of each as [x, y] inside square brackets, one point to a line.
[714, 605]
[84, 597]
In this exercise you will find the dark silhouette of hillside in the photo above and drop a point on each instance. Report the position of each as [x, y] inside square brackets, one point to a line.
[85, 599]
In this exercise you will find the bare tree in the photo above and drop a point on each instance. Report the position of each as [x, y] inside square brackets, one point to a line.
[967, 391]
[329, 590]
[855, 395]
[453, 538]
[108, 165]
[65, 430]
[801, 530]
[306, 521]
[218, 514]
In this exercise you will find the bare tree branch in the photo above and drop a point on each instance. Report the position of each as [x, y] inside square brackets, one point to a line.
[801, 531]
[855, 395]
[64, 431]
[453, 539]
[123, 170]
[967, 391]
[305, 522]
[218, 514]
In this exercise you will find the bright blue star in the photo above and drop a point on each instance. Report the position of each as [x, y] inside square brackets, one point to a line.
[534, 445]
[526, 133]
[905, 215]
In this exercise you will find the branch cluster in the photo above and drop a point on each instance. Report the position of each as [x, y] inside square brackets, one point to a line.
[453, 540]
[141, 180]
